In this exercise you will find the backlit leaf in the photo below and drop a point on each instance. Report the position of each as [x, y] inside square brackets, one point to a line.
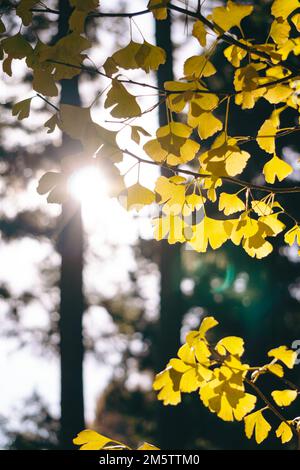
[284, 397]
[231, 15]
[285, 355]
[276, 168]
[255, 423]
[284, 432]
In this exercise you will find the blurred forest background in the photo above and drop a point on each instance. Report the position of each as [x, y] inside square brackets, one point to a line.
[140, 296]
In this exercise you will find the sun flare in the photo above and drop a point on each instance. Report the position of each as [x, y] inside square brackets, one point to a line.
[88, 186]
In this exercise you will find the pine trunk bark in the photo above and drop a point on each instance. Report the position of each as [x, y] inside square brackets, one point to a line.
[171, 307]
[71, 288]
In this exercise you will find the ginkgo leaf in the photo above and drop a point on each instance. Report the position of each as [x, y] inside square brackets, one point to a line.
[2, 28]
[16, 46]
[199, 32]
[276, 369]
[136, 132]
[284, 432]
[292, 235]
[230, 15]
[52, 123]
[261, 208]
[23, 10]
[53, 183]
[277, 94]
[167, 382]
[285, 355]
[296, 21]
[266, 136]
[256, 423]
[123, 104]
[158, 13]
[198, 66]
[91, 440]
[207, 123]
[283, 8]
[280, 30]
[208, 231]
[140, 55]
[22, 109]
[137, 196]
[276, 168]
[207, 324]
[47, 181]
[172, 144]
[77, 20]
[230, 203]
[231, 344]
[235, 54]
[284, 397]
[85, 5]
[44, 83]
[171, 193]
[171, 227]
[146, 445]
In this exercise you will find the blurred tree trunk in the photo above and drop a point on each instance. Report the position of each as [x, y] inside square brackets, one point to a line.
[171, 305]
[71, 290]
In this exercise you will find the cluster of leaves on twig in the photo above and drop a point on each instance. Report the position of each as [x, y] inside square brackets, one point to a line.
[217, 373]
[249, 216]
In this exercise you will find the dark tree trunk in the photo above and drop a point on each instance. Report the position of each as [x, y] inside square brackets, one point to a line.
[72, 300]
[171, 308]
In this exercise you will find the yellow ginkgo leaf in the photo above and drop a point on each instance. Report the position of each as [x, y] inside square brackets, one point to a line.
[296, 21]
[146, 445]
[256, 423]
[261, 208]
[167, 382]
[280, 30]
[171, 193]
[171, 227]
[208, 231]
[230, 203]
[137, 196]
[207, 123]
[158, 13]
[236, 161]
[199, 32]
[235, 54]
[123, 104]
[277, 94]
[283, 8]
[139, 55]
[207, 324]
[266, 136]
[284, 397]
[91, 440]
[276, 369]
[231, 344]
[284, 432]
[231, 15]
[198, 66]
[285, 355]
[276, 168]
[292, 235]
